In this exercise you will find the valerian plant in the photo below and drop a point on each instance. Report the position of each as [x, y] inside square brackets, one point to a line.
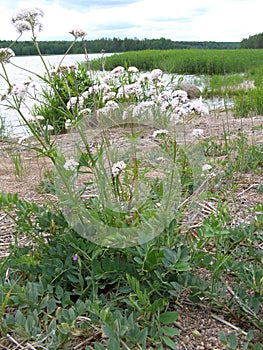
[114, 191]
[107, 258]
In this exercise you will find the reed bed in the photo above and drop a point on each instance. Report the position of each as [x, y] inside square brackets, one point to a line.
[192, 61]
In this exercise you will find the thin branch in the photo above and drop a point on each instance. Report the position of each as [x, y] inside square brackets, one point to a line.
[228, 324]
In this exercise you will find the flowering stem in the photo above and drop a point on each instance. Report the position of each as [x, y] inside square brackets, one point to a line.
[172, 175]
[13, 43]
[97, 172]
[105, 139]
[135, 171]
[47, 81]
[69, 48]
[41, 57]
[5, 76]
[87, 59]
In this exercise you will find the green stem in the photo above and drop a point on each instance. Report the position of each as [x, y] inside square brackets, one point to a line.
[29, 71]
[5, 76]
[41, 57]
[172, 175]
[69, 48]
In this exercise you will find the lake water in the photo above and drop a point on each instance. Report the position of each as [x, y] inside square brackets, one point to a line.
[12, 123]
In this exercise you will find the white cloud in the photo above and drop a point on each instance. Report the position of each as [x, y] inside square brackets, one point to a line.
[227, 20]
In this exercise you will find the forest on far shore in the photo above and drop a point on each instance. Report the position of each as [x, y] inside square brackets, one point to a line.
[23, 48]
[253, 42]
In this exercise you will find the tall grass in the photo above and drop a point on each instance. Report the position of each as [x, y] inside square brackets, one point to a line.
[250, 103]
[193, 61]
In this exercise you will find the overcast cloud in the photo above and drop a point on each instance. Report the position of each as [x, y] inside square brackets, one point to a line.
[190, 20]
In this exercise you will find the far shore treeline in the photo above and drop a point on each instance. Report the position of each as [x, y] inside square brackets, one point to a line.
[23, 48]
[253, 42]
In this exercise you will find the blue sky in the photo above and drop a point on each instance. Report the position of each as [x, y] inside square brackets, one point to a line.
[190, 20]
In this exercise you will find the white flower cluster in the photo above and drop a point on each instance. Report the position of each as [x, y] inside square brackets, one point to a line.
[133, 70]
[78, 33]
[49, 127]
[28, 19]
[74, 101]
[129, 90]
[117, 168]
[71, 165]
[68, 123]
[179, 96]
[148, 94]
[144, 78]
[144, 108]
[108, 108]
[19, 90]
[156, 74]
[77, 101]
[62, 69]
[5, 54]
[117, 71]
[85, 111]
[39, 117]
[198, 107]
[206, 167]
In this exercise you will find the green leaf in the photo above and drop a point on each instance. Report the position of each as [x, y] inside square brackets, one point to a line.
[59, 292]
[250, 335]
[168, 317]
[19, 318]
[169, 342]
[170, 255]
[51, 305]
[222, 337]
[72, 278]
[182, 266]
[142, 336]
[66, 299]
[80, 307]
[157, 305]
[113, 344]
[64, 328]
[52, 326]
[138, 260]
[170, 331]
[232, 339]
[98, 347]
[109, 332]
